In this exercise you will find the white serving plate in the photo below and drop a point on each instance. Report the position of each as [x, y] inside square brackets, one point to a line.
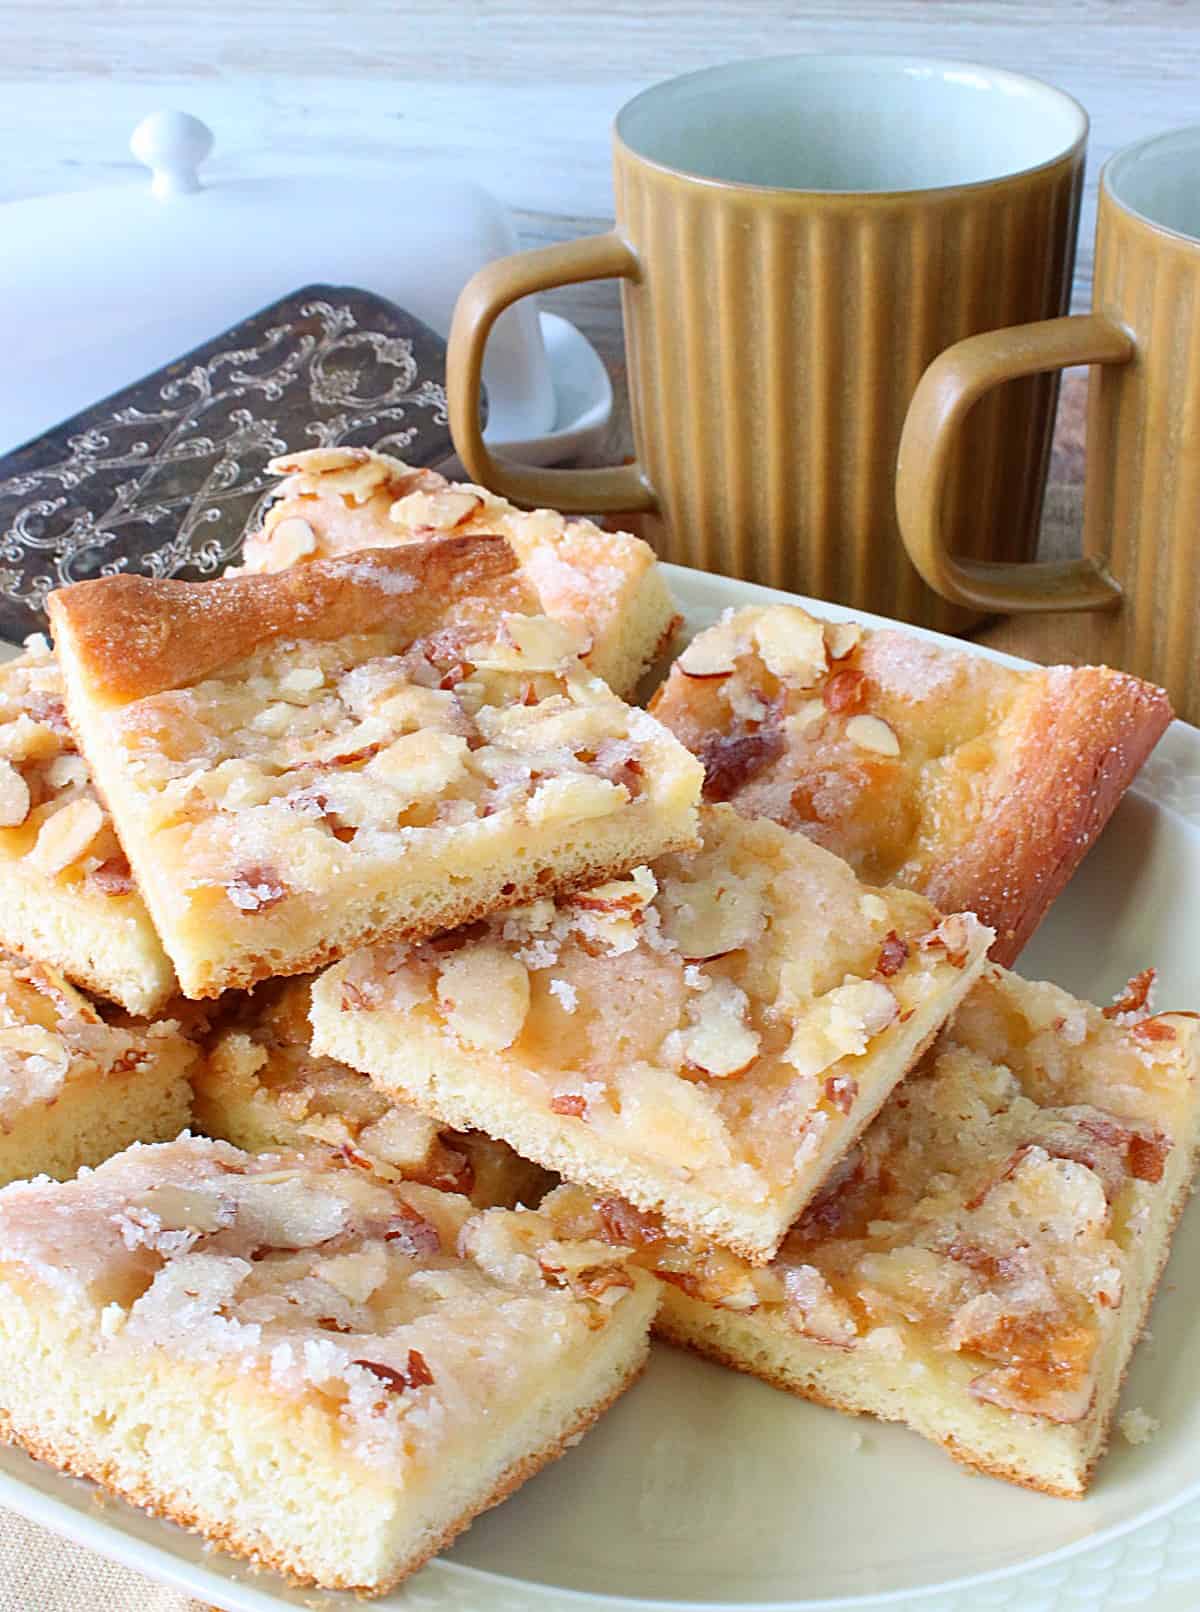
[705, 1489]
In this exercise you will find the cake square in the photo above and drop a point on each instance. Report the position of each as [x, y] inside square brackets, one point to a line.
[260, 1087]
[608, 585]
[73, 1089]
[69, 897]
[979, 785]
[705, 1038]
[322, 1373]
[383, 745]
[982, 1266]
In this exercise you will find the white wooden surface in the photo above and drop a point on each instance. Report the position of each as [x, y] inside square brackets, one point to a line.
[516, 93]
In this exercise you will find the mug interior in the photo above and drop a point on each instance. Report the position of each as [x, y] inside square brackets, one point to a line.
[851, 124]
[1159, 179]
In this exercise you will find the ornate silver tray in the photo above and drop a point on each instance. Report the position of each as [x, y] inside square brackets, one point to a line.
[166, 476]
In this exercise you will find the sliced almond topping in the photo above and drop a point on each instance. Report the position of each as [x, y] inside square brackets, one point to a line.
[532, 644]
[484, 993]
[255, 890]
[569, 1102]
[841, 1090]
[576, 796]
[841, 637]
[707, 918]
[1151, 1030]
[841, 1023]
[178, 1209]
[356, 1274]
[420, 765]
[846, 691]
[791, 644]
[323, 461]
[302, 680]
[66, 835]
[415, 1236]
[720, 1042]
[873, 733]
[291, 541]
[877, 1009]
[711, 654]
[893, 954]
[954, 935]
[589, 1268]
[619, 895]
[67, 771]
[445, 508]
[805, 716]
[1134, 997]
[620, 1222]
[14, 796]
[26, 740]
[416, 1372]
[113, 876]
[49, 710]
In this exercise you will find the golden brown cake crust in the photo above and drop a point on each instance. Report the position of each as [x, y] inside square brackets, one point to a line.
[140, 635]
[1085, 740]
[67, 1459]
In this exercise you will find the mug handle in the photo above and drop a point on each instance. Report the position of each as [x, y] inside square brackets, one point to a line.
[955, 381]
[484, 297]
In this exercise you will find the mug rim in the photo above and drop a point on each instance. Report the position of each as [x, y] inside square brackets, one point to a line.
[1111, 172]
[892, 59]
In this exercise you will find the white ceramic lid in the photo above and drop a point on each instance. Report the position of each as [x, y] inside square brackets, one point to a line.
[101, 287]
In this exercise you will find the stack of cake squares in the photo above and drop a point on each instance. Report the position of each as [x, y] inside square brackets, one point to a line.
[511, 1020]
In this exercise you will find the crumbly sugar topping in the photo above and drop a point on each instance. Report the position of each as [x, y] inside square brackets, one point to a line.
[308, 760]
[50, 1034]
[262, 1057]
[987, 1220]
[403, 1311]
[50, 816]
[719, 1012]
[877, 745]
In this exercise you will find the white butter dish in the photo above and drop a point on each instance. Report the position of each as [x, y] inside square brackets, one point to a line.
[100, 287]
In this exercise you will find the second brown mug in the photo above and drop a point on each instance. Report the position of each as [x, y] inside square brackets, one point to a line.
[1141, 523]
[797, 238]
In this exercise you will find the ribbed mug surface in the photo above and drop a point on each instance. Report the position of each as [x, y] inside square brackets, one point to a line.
[1142, 488]
[775, 339]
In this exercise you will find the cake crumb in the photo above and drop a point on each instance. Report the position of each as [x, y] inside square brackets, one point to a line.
[1138, 1426]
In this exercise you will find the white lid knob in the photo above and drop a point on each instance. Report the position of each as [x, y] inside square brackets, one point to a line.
[172, 145]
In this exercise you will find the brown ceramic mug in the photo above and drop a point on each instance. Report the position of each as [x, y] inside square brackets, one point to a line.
[797, 238]
[1141, 537]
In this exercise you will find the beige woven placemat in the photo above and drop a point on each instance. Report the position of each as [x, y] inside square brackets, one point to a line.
[39, 1572]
